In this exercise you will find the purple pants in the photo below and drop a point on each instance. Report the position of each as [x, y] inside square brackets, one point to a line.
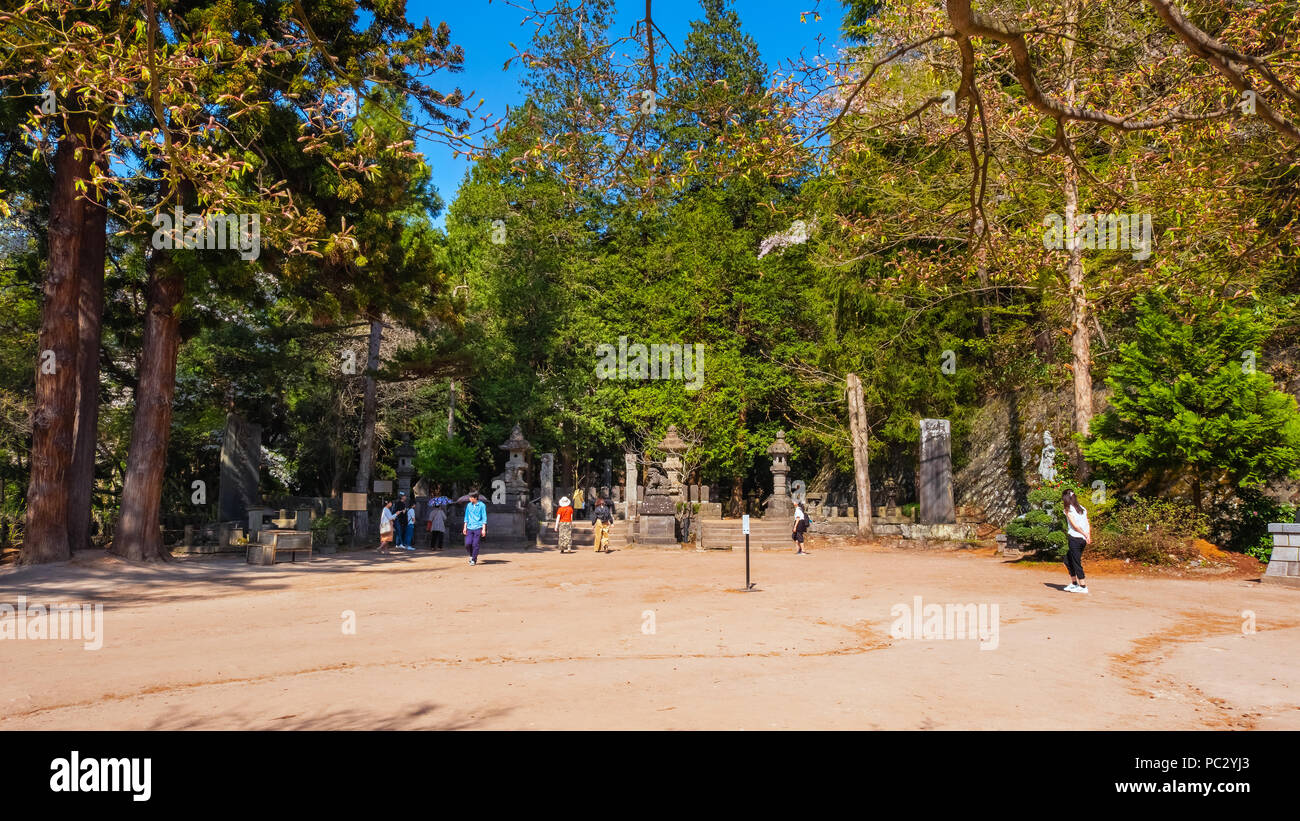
[472, 538]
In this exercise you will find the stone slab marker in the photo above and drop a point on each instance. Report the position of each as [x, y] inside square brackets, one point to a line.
[1284, 564]
[241, 456]
[547, 472]
[629, 464]
[934, 480]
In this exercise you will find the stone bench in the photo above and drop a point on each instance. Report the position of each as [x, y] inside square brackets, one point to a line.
[274, 545]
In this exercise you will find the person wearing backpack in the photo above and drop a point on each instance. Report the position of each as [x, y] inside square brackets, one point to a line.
[800, 528]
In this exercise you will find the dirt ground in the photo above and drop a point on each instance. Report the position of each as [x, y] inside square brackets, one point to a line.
[645, 639]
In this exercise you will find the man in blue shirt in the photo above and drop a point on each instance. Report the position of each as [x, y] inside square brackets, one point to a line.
[475, 527]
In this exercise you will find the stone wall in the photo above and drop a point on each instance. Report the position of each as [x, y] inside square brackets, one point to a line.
[1004, 445]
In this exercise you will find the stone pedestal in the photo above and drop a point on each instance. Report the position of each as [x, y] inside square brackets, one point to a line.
[1284, 564]
[657, 524]
[934, 479]
[657, 530]
[505, 523]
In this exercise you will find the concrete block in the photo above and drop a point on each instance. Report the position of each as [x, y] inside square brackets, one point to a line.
[1286, 554]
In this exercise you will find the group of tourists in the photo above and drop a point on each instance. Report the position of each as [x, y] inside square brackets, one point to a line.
[400, 517]
[601, 516]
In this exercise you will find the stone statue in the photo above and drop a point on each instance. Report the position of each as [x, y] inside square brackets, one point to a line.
[1047, 461]
[656, 481]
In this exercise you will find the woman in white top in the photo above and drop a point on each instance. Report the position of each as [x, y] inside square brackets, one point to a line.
[387, 521]
[1079, 534]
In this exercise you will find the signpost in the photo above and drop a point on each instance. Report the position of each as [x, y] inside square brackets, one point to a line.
[744, 527]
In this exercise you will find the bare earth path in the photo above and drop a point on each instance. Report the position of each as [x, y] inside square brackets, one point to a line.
[541, 640]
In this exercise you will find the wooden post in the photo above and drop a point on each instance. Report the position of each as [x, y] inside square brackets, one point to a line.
[858, 432]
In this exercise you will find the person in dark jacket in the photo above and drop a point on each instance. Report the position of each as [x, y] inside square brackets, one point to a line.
[800, 528]
[604, 519]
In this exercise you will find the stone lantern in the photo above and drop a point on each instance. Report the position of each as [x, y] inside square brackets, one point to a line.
[674, 446]
[515, 473]
[780, 503]
[405, 463]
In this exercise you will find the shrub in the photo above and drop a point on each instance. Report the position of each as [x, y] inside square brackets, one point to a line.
[1152, 531]
[1243, 521]
[320, 527]
[1042, 528]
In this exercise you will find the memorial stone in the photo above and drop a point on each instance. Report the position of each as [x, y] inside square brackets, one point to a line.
[934, 481]
[241, 457]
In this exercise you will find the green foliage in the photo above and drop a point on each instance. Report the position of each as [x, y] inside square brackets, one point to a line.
[321, 525]
[1242, 521]
[1185, 399]
[1152, 531]
[446, 461]
[1041, 529]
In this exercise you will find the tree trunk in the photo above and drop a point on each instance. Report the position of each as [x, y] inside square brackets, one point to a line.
[137, 536]
[366, 463]
[1080, 339]
[738, 481]
[451, 408]
[81, 477]
[46, 536]
[858, 433]
[982, 272]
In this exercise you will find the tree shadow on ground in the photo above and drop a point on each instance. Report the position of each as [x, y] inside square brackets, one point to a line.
[99, 577]
[424, 716]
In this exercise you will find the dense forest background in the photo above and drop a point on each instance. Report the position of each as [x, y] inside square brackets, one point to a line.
[899, 238]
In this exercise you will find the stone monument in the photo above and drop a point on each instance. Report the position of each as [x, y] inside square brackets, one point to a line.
[934, 479]
[405, 463]
[547, 472]
[630, 478]
[658, 522]
[509, 519]
[241, 458]
[674, 446]
[516, 468]
[780, 504]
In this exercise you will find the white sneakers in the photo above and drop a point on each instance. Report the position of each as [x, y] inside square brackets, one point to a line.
[1074, 588]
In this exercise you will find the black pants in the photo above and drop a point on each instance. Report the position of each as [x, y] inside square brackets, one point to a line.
[1074, 557]
[436, 539]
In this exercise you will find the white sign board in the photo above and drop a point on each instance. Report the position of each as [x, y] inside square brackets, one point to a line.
[744, 525]
[383, 486]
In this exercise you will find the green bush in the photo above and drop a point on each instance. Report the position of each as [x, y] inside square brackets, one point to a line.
[1243, 522]
[321, 525]
[1151, 531]
[1042, 528]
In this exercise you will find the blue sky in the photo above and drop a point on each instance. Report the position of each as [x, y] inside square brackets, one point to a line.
[486, 29]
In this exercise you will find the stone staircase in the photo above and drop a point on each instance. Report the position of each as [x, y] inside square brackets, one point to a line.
[764, 534]
[584, 536]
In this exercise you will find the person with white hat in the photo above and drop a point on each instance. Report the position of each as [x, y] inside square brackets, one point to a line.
[564, 525]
